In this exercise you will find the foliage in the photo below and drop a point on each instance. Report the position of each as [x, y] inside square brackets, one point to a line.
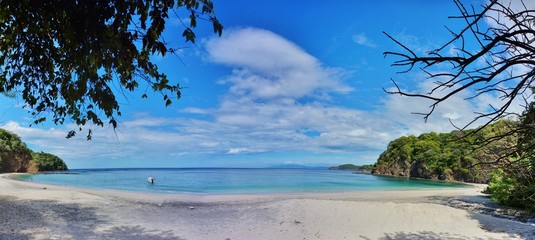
[509, 189]
[514, 183]
[48, 162]
[347, 167]
[461, 156]
[11, 142]
[368, 167]
[354, 167]
[66, 57]
[15, 156]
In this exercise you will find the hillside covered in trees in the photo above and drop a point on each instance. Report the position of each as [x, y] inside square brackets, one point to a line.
[500, 154]
[15, 156]
[460, 156]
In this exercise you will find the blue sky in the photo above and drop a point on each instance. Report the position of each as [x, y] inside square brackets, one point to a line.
[288, 82]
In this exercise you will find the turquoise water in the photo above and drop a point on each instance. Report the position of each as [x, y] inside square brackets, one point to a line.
[231, 181]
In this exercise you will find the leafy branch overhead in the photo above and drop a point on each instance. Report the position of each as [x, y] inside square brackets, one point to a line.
[64, 57]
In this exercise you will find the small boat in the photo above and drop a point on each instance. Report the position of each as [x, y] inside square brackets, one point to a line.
[150, 180]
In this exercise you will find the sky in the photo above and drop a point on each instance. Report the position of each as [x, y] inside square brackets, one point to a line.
[288, 82]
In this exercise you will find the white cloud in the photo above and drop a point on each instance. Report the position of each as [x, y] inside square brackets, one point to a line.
[236, 150]
[258, 49]
[362, 39]
[267, 66]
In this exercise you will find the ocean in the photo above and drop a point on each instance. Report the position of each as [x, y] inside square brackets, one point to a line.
[230, 180]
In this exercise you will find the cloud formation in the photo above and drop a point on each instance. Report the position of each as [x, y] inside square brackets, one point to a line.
[362, 39]
[269, 67]
[277, 93]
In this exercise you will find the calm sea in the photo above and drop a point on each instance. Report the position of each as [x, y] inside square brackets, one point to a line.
[230, 181]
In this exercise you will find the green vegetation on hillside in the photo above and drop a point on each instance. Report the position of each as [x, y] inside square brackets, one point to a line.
[354, 167]
[460, 156]
[513, 184]
[495, 154]
[347, 167]
[368, 167]
[48, 162]
[15, 156]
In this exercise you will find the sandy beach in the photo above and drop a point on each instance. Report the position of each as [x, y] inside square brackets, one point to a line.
[41, 211]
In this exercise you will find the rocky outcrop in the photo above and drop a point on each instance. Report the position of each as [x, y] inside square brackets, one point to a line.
[407, 168]
[17, 161]
[420, 170]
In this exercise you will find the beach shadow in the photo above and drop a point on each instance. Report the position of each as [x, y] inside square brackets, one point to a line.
[15, 217]
[425, 235]
[513, 227]
[14, 236]
[492, 216]
[24, 219]
[484, 205]
[138, 232]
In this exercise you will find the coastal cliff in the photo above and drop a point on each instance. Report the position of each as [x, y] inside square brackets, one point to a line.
[454, 156]
[15, 156]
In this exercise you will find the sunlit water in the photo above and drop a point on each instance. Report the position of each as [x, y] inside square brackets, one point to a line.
[231, 181]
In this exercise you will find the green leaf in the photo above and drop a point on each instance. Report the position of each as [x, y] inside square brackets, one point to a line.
[189, 35]
[113, 123]
[71, 134]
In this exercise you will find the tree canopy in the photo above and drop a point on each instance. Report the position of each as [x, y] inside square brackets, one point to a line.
[66, 58]
[48, 162]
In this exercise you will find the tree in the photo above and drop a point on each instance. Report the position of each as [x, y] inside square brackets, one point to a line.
[502, 65]
[64, 57]
[48, 162]
[505, 45]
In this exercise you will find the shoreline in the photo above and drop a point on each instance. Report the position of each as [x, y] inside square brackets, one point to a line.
[158, 197]
[42, 211]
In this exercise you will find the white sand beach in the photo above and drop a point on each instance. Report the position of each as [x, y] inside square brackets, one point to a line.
[42, 211]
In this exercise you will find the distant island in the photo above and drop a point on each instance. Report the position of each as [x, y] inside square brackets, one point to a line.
[15, 156]
[353, 167]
